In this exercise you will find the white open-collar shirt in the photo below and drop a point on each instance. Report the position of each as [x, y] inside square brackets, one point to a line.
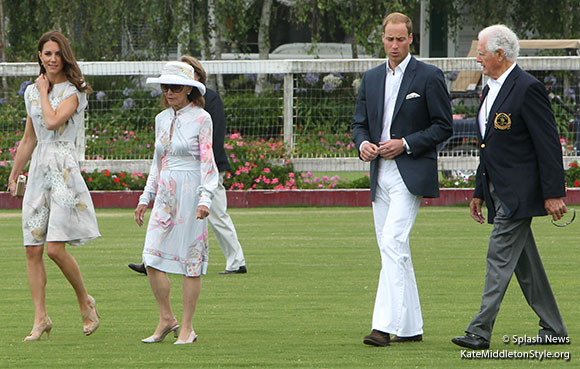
[392, 85]
[494, 87]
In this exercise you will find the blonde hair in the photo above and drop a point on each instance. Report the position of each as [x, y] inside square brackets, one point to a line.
[397, 18]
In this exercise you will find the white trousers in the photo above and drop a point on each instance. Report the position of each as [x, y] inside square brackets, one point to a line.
[397, 308]
[224, 229]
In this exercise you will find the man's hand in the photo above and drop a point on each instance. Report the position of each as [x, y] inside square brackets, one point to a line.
[391, 148]
[369, 151]
[556, 208]
[201, 212]
[475, 208]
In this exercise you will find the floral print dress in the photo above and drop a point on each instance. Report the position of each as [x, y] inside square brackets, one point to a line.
[183, 175]
[57, 206]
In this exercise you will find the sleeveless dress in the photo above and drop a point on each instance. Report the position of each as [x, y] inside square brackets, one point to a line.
[183, 175]
[57, 206]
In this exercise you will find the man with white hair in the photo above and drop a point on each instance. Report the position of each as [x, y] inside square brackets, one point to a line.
[520, 175]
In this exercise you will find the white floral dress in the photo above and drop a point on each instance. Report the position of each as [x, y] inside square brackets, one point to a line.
[183, 175]
[57, 206]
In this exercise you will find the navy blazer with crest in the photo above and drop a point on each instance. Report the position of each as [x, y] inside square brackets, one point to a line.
[422, 116]
[520, 153]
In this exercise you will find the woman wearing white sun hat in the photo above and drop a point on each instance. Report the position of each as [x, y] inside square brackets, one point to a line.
[182, 179]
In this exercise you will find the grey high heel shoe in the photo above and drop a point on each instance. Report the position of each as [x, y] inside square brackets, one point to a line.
[38, 330]
[191, 339]
[90, 328]
[153, 339]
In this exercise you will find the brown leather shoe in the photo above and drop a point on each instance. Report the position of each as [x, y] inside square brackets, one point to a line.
[377, 338]
[417, 338]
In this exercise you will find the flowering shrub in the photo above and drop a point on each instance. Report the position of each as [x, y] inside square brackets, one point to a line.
[326, 144]
[331, 82]
[259, 174]
[250, 166]
[573, 175]
[105, 180]
[457, 181]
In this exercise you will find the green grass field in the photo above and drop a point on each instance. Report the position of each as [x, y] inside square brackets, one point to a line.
[306, 301]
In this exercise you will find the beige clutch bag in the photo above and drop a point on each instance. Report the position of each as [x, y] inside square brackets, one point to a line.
[20, 186]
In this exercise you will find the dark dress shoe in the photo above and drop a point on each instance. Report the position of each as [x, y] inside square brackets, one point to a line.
[241, 270]
[377, 338]
[417, 338]
[139, 268]
[471, 341]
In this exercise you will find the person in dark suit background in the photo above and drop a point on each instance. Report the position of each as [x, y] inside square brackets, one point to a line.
[218, 219]
[520, 175]
[402, 112]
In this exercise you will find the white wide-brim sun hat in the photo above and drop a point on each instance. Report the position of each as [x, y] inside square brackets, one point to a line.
[178, 73]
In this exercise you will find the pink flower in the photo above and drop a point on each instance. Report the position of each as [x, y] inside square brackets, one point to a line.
[266, 170]
[291, 175]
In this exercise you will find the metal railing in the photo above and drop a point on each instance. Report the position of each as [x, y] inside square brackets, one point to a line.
[303, 107]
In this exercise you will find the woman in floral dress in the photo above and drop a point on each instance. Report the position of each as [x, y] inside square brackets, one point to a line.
[182, 180]
[57, 207]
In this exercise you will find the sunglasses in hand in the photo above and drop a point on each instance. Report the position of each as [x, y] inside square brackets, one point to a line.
[564, 223]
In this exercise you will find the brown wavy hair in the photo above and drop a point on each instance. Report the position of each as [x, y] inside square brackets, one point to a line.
[71, 68]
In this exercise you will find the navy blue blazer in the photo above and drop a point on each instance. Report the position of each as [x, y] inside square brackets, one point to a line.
[520, 152]
[422, 116]
[215, 107]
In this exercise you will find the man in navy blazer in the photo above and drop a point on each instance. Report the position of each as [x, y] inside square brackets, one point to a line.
[520, 175]
[402, 112]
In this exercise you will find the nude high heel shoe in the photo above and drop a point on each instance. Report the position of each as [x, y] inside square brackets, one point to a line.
[38, 330]
[153, 339]
[90, 328]
[191, 339]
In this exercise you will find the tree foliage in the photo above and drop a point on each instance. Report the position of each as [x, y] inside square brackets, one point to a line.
[529, 19]
[360, 20]
[152, 29]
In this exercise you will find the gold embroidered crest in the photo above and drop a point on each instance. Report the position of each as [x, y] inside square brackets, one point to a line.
[502, 121]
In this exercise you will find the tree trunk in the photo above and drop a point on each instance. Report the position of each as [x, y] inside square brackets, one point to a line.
[353, 40]
[215, 48]
[264, 42]
[3, 46]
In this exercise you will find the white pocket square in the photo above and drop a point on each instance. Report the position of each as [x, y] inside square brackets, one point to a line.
[412, 95]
